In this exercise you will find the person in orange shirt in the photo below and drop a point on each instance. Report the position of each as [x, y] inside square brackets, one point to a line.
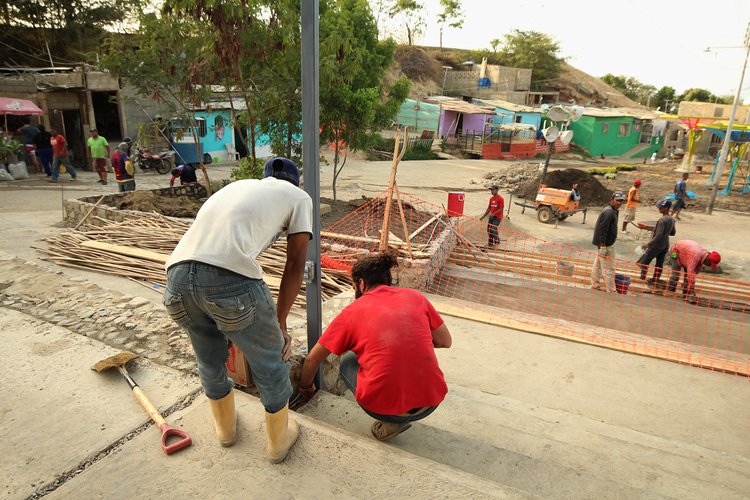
[631, 205]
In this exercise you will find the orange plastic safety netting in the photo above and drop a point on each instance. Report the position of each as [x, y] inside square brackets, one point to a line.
[534, 285]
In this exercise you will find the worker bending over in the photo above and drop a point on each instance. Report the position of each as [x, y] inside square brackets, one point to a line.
[690, 257]
[215, 291]
[391, 335]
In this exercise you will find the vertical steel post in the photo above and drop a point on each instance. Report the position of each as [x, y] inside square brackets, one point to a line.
[311, 158]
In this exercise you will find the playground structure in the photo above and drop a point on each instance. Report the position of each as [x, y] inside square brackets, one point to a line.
[739, 141]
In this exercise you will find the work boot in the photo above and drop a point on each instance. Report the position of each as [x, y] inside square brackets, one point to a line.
[282, 433]
[387, 430]
[225, 419]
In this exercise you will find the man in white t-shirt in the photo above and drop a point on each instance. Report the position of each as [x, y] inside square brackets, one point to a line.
[215, 291]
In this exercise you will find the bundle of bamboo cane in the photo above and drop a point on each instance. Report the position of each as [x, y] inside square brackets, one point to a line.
[138, 248]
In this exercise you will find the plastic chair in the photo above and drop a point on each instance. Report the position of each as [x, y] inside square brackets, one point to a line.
[232, 153]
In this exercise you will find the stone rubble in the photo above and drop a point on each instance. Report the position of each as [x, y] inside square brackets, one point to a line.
[511, 176]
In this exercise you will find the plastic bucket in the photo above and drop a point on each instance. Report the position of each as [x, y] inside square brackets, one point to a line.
[456, 203]
[622, 283]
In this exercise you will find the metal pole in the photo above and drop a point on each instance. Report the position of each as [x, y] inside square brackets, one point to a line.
[727, 139]
[546, 162]
[311, 157]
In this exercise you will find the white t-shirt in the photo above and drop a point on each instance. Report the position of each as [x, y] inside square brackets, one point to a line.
[240, 221]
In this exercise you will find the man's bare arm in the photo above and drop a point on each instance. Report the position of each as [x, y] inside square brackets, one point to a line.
[441, 337]
[291, 281]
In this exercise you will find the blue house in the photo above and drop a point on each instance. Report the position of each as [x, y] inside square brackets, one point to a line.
[512, 113]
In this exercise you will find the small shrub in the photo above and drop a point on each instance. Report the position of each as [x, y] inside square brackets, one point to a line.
[246, 170]
[420, 152]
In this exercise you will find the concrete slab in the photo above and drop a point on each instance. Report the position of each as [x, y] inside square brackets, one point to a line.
[324, 463]
[55, 411]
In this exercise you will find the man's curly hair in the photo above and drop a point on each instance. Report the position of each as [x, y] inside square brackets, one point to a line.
[375, 270]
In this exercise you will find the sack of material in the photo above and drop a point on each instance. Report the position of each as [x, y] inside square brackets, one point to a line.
[5, 176]
[18, 170]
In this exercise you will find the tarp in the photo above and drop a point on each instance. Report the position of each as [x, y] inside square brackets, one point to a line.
[11, 106]
[740, 133]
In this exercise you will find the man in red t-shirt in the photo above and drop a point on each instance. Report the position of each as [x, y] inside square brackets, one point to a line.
[495, 212]
[391, 335]
[60, 152]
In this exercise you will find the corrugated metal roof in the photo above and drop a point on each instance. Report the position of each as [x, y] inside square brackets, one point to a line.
[601, 113]
[517, 108]
[641, 114]
[468, 108]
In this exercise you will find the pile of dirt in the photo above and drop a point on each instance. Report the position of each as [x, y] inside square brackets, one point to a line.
[146, 201]
[510, 177]
[593, 194]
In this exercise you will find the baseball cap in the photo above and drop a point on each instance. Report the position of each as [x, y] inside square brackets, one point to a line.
[282, 168]
[664, 204]
[619, 196]
[494, 186]
[715, 259]
[637, 183]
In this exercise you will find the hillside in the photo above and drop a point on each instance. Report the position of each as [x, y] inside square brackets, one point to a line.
[424, 67]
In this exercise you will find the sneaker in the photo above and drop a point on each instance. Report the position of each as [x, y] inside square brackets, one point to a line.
[624, 232]
[51, 180]
[104, 183]
[74, 179]
[101, 181]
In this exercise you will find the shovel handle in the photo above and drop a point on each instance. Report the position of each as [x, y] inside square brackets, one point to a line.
[167, 431]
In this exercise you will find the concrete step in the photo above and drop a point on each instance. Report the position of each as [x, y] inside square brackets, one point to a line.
[551, 453]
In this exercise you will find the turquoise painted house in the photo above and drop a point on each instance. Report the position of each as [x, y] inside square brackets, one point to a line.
[419, 116]
[509, 112]
[616, 133]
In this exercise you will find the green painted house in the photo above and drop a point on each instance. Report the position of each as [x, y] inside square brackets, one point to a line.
[616, 133]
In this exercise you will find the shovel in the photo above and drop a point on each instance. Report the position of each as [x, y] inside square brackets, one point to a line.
[118, 361]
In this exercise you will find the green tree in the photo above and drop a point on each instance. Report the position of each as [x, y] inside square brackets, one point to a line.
[451, 12]
[703, 95]
[631, 87]
[69, 27]
[535, 51]
[410, 12]
[353, 99]
[662, 96]
[166, 60]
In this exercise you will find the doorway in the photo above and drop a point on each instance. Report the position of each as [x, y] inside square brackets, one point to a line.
[107, 115]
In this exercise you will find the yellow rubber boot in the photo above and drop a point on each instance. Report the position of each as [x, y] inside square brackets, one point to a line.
[282, 433]
[225, 419]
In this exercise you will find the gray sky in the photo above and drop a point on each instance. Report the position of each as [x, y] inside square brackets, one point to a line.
[657, 41]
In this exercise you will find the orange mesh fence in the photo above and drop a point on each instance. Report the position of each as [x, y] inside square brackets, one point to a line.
[530, 284]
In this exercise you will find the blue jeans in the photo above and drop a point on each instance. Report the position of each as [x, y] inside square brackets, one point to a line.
[213, 305]
[126, 186]
[350, 368]
[46, 156]
[492, 231]
[56, 167]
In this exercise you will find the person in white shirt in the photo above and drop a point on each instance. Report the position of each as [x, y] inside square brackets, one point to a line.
[215, 291]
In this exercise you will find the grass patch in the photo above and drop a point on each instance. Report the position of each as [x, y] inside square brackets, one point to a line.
[612, 170]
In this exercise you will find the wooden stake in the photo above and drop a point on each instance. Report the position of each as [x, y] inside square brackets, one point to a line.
[403, 221]
[389, 200]
[89, 213]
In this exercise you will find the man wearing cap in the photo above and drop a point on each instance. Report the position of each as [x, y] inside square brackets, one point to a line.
[659, 244]
[97, 148]
[680, 195]
[631, 205]
[123, 167]
[215, 291]
[495, 212]
[605, 235]
[690, 257]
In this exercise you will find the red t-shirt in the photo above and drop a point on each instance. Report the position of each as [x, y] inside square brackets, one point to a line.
[58, 145]
[390, 331]
[497, 203]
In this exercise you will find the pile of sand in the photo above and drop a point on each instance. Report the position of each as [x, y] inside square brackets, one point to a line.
[593, 194]
[510, 177]
[146, 201]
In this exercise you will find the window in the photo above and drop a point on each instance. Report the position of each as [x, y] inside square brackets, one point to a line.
[715, 139]
[202, 129]
[718, 112]
[605, 128]
[624, 130]
[518, 119]
[674, 135]
[636, 127]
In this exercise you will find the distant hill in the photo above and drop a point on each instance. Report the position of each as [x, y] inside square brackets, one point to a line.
[425, 68]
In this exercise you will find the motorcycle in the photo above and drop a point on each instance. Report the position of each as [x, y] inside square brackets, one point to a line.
[145, 159]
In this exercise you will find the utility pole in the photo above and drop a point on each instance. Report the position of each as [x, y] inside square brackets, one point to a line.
[727, 139]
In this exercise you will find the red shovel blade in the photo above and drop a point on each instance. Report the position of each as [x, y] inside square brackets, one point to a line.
[167, 431]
